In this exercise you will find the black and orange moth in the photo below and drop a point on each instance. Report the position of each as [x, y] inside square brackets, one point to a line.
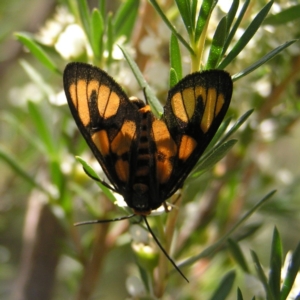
[145, 158]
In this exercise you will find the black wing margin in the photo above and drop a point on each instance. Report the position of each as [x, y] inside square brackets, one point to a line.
[193, 113]
[103, 113]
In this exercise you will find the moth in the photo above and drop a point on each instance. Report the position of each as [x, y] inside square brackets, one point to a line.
[146, 158]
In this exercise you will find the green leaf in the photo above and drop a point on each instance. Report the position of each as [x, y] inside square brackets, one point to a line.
[56, 175]
[173, 77]
[125, 18]
[292, 272]
[239, 295]
[231, 13]
[144, 275]
[154, 103]
[73, 8]
[288, 15]
[236, 25]
[224, 125]
[171, 27]
[102, 8]
[236, 126]
[106, 191]
[209, 251]
[17, 168]
[215, 155]
[263, 60]
[193, 12]
[275, 265]
[85, 17]
[224, 287]
[248, 231]
[216, 48]
[110, 38]
[203, 17]
[184, 8]
[238, 255]
[29, 42]
[261, 275]
[97, 31]
[247, 36]
[175, 57]
[42, 129]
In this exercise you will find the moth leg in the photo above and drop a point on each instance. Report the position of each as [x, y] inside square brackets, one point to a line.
[177, 198]
[169, 206]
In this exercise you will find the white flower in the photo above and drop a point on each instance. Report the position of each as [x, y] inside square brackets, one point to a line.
[49, 33]
[58, 99]
[72, 42]
[67, 37]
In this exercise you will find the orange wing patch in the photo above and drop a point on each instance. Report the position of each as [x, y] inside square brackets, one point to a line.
[101, 141]
[78, 91]
[187, 146]
[166, 150]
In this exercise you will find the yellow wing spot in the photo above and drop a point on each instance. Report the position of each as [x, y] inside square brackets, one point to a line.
[145, 109]
[92, 86]
[122, 169]
[166, 149]
[113, 105]
[122, 141]
[189, 101]
[101, 140]
[78, 92]
[178, 107]
[187, 146]
[108, 102]
[209, 109]
[200, 92]
[220, 103]
[73, 93]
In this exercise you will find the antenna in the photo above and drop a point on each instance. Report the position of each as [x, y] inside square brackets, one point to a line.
[163, 250]
[148, 227]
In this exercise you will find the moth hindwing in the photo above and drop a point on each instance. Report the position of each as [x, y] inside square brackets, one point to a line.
[146, 159]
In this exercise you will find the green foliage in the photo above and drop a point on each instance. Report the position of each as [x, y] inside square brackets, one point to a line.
[285, 16]
[273, 286]
[93, 174]
[175, 61]
[247, 35]
[225, 286]
[28, 41]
